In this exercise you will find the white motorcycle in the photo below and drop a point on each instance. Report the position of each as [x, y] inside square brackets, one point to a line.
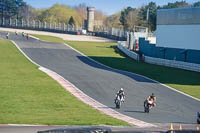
[118, 101]
[147, 105]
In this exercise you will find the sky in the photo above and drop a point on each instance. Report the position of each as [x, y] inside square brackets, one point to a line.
[107, 6]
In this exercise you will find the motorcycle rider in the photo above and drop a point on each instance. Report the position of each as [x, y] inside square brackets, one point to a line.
[7, 35]
[151, 98]
[121, 94]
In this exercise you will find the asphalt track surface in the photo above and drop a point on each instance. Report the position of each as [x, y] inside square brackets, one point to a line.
[101, 83]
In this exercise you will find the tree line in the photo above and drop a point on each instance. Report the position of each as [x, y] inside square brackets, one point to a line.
[58, 13]
[126, 19]
[144, 16]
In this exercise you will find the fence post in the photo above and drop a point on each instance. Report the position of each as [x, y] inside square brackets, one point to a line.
[45, 25]
[15, 22]
[39, 24]
[22, 22]
[33, 23]
[55, 26]
[3, 21]
[10, 22]
[49, 25]
[63, 26]
[28, 23]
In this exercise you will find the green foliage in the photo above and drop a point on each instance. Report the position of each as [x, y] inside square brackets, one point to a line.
[196, 4]
[59, 14]
[177, 4]
[124, 13]
[141, 18]
[71, 21]
[113, 21]
[11, 8]
[151, 22]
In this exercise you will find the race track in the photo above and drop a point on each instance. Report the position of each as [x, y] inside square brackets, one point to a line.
[101, 83]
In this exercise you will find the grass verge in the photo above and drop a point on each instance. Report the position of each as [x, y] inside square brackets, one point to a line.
[108, 54]
[29, 96]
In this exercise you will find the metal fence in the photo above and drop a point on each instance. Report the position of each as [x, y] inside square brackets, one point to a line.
[38, 25]
[112, 33]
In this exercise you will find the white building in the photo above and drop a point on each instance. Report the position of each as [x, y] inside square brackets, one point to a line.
[178, 28]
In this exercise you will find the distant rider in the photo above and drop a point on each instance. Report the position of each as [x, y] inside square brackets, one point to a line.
[121, 94]
[151, 98]
[7, 35]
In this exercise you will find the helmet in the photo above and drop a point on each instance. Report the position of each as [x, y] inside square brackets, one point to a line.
[121, 89]
[152, 95]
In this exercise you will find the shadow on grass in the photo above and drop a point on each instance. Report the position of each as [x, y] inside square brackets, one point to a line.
[165, 75]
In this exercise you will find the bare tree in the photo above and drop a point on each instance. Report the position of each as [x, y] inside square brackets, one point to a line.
[131, 19]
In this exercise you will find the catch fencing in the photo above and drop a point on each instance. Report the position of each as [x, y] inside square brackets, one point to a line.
[111, 33]
[38, 25]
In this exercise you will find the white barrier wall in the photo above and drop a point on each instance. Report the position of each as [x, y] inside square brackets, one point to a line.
[121, 46]
[173, 63]
[159, 61]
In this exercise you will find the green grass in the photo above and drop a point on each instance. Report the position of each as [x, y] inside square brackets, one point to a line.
[108, 54]
[49, 38]
[29, 96]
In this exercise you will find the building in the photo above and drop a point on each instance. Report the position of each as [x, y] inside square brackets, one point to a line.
[179, 28]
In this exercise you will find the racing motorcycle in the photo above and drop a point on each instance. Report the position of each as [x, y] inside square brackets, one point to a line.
[118, 101]
[198, 117]
[147, 105]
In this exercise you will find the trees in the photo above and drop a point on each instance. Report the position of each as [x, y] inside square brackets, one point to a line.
[81, 10]
[177, 4]
[59, 14]
[10, 8]
[151, 21]
[123, 16]
[196, 4]
[113, 21]
[71, 21]
[131, 19]
[130, 16]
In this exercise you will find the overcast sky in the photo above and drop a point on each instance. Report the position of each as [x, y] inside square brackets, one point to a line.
[107, 6]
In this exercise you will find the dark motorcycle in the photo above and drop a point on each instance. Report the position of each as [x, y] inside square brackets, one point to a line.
[147, 105]
[118, 102]
[198, 117]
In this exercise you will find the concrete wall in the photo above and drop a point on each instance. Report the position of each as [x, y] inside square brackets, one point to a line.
[190, 56]
[178, 28]
[159, 61]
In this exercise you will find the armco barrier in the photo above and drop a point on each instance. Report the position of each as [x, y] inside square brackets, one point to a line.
[159, 61]
[173, 63]
[129, 53]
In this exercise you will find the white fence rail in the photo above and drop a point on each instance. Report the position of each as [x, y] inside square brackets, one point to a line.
[159, 61]
[121, 46]
[173, 63]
